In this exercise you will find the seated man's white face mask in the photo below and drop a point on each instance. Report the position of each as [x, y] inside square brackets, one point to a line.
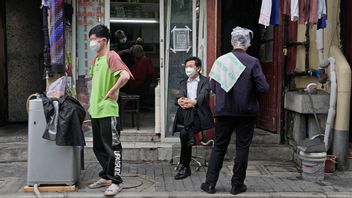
[190, 72]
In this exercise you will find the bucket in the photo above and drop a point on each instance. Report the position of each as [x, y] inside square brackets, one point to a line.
[313, 166]
[330, 163]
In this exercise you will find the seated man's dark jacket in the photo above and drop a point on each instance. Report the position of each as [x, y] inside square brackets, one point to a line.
[241, 100]
[201, 111]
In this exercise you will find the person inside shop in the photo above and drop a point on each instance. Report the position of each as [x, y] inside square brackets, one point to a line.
[140, 41]
[109, 74]
[193, 114]
[143, 73]
[122, 47]
[236, 108]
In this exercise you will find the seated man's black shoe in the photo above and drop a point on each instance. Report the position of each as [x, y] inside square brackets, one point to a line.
[238, 189]
[183, 172]
[208, 188]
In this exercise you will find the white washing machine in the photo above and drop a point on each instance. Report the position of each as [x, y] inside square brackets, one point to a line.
[48, 163]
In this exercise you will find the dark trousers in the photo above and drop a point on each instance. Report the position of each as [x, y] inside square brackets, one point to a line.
[186, 151]
[107, 148]
[224, 126]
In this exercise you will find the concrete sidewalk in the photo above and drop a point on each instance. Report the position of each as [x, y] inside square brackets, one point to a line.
[264, 179]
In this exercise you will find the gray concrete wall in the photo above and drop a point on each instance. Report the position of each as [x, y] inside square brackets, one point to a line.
[24, 49]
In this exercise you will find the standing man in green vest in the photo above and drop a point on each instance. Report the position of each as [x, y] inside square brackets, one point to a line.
[109, 74]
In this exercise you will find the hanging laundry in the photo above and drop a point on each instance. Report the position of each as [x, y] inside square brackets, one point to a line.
[313, 11]
[274, 19]
[322, 22]
[265, 12]
[322, 16]
[294, 10]
[308, 11]
[321, 8]
[303, 11]
[286, 8]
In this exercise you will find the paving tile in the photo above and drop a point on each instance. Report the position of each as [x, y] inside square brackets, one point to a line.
[266, 180]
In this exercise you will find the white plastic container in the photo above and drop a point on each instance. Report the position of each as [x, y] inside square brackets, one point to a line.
[313, 165]
[47, 162]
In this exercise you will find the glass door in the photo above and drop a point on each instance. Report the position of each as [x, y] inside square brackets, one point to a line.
[180, 38]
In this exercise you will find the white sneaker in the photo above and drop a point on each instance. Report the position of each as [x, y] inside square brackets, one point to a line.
[100, 183]
[113, 189]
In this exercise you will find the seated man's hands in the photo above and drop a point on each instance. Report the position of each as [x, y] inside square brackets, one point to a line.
[186, 103]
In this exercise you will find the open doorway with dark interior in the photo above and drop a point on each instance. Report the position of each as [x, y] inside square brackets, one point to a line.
[240, 13]
[134, 27]
[346, 29]
[264, 46]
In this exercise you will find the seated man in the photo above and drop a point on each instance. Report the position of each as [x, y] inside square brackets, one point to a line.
[193, 114]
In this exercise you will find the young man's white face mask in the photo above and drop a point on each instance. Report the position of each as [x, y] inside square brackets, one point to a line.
[94, 45]
[190, 72]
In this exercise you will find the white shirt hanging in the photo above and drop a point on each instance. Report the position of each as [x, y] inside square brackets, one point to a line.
[294, 10]
[321, 8]
[265, 12]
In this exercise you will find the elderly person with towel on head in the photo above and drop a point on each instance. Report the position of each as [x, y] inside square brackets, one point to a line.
[236, 80]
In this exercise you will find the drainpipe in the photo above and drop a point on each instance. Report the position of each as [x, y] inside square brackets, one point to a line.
[332, 104]
[341, 128]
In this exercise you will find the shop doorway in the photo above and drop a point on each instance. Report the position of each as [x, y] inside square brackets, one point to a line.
[138, 22]
[264, 46]
[3, 75]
